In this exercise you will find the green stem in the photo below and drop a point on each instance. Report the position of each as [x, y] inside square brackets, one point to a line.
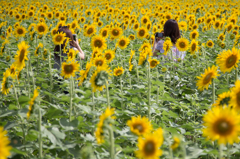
[16, 96]
[93, 105]
[121, 94]
[228, 80]
[50, 72]
[71, 92]
[107, 91]
[228, 154]
[157, 89]
[33, 81]
[220, 151]
[28, 81]
[149, 92]
[40, 132]
[213, 91]
[236, 74]
[111, 137]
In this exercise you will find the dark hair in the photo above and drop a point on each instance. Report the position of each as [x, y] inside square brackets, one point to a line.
[68, 34]
[171, 29]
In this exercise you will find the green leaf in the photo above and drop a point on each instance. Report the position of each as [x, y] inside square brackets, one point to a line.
[32, 135]
[23, 99]
[68, 125]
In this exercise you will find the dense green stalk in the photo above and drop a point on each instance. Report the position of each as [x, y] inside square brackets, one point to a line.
[213, 91]
[111, 137]
[40, 132]
[16, 96]
[221, 151]
[121, 93]
[71, 92]
[149, 92]
[107, 91]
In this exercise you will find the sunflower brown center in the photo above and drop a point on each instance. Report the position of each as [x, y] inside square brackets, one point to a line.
[119, 72]
[182, 45]
[30, 14]
[68, 69]
[73, 25]
[115, 32]
[229, 28]
[98, 43]
[20, 31]
[144, 20]
[139, 127]
[222, 127]
[22, 54]
[210, 44]
[122, 42]
[193, 47]
[12, 70]
[194, 35]
[207, 79]
[41, 29]
[59, 38]
[108, 56]
[104, 33]
[149, 148]
[90, 31]
[153, 63]
[231, 60]
[217, 24]
[141, 32]
[99, 63]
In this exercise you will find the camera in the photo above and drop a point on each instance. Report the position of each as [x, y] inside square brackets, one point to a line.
[160, 35]
[75, 37]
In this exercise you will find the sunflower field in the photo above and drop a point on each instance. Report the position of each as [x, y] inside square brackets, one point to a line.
[120, 101]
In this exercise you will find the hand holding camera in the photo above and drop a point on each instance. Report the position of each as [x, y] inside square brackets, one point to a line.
[159, 36]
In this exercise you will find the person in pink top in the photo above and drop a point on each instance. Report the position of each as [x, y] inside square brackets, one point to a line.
[171, 30]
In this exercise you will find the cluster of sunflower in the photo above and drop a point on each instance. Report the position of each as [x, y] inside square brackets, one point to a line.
[149, 141]
[222, 122]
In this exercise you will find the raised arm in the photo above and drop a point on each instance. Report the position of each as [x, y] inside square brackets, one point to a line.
[80, 52]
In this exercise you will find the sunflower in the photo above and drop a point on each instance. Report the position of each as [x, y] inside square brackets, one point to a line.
[109, 55]
[194, 35]
[99, 132]
[153, 62]
[4, 144]
[115, 32]
[222, 124]
[206, 78]
[38, 49]
[144, 46]
[229, 27]
[176, 142]
[104, 32]
[183, 25]
[210, 44]
[99, 78]
[88, 13]
[99, 42]
[136, 26]
[182, 44]
[123, 42]
[21, 55]
[59, 38]
[221, 36]
[20, 31]
[69, 69]
[99, 61]
[142, 32]
[234, 96]
[216, 24]
[31, 102]
[54, 31]
[167, 45]
[49, 15]
[149, 145]
[5, 85]
[223, 99]
[41, 28]
[145, 20]
[71, 54]
[82, 19]
[118, 71]
[96, 53]
[140, 126]
[193, 47]
[84, 73]
[228, 60]
[90, 30]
